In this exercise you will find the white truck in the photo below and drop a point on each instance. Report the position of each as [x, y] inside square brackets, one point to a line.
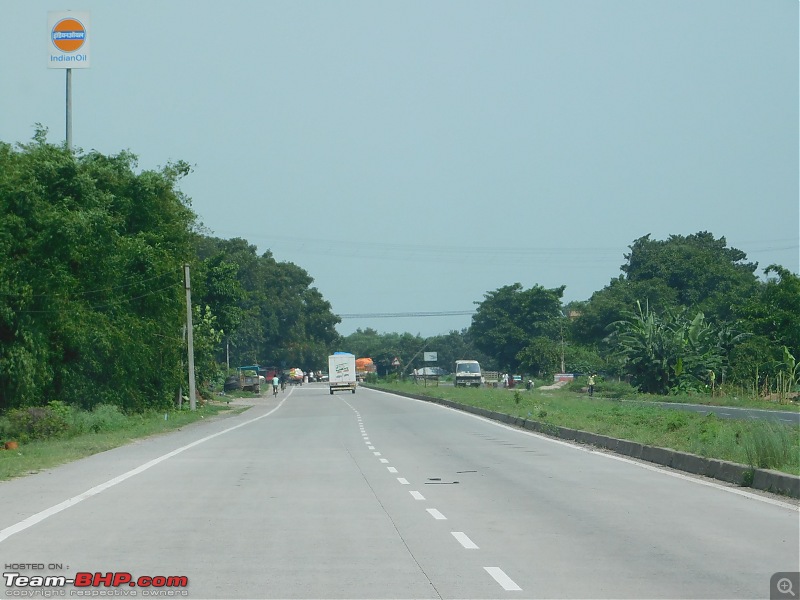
[468, 372]
[342, 372]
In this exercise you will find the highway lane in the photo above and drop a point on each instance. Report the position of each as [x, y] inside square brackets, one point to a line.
[370, 495]
[732, 412]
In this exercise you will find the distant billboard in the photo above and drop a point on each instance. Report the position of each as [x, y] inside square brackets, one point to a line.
[68, 40]
[430, 356]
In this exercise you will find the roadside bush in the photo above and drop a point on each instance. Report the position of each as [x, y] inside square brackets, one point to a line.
[769, 445]
[58, 419]
[603, 387]
[615, 389]
[36, 423]
[106, 417]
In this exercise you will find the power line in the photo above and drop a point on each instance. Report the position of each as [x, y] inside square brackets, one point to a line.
[71, 294]
[399, 315]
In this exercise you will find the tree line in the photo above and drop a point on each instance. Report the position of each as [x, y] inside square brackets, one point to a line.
[92, 294]
[688, 314]
[92, 301]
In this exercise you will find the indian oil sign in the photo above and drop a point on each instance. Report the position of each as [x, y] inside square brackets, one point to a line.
[68, 46]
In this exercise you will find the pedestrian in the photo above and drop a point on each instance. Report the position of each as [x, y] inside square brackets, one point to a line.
[591, 383]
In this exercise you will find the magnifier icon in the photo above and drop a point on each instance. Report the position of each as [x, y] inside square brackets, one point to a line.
[784, 586]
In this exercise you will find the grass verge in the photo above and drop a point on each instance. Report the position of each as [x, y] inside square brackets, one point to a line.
[762, 444]
[37, 455]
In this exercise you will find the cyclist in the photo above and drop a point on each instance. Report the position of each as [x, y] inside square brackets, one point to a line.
[275, 383]
[283, 381]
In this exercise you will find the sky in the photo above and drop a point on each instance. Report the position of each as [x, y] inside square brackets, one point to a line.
[414, 156]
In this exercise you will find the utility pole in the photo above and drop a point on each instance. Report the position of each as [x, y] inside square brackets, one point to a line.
[189, 337]
[69, 109]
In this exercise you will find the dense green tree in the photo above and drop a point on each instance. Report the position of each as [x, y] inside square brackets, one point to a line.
[671, 352]
[510, 317]
[705, 274]
[280, 319]
[540, 357]
[609, 305]
[91, 294]
[772, 317]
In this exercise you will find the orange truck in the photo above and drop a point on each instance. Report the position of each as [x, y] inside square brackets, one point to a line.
[364, 366]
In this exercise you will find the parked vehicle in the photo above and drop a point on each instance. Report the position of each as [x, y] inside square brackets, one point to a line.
[491, 378]
[468, 372]
[249, 379]
[342, 372]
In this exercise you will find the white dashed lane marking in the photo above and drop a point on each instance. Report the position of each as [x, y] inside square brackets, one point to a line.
[464, 540]
[504, 580]
[496, 572]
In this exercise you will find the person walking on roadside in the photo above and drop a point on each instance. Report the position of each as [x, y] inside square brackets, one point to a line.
[591, 384]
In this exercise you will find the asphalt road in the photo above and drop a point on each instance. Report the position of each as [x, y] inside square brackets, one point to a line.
[730, 412]
[370, 495]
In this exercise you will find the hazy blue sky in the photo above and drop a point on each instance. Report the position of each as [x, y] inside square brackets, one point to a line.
[412, 156]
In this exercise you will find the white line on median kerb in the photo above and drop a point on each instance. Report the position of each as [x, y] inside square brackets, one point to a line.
[53, 510]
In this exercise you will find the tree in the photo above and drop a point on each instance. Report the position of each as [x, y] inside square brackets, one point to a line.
[670, 352]
[610, 305]
[772, 318]
[278, 317]
[91, 298]
[510, 317]
[541, 357]
[705, 274]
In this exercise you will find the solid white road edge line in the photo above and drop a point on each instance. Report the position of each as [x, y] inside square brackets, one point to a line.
[609, 456]
[49, 512]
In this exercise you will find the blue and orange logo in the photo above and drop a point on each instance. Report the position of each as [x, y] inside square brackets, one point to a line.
[68, 35]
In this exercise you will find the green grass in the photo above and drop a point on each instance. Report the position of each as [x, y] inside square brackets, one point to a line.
[36, 455]
[751, 442]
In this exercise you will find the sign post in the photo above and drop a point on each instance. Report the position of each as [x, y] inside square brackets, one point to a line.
[396, 365]
[68, 48]
[428, 358]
